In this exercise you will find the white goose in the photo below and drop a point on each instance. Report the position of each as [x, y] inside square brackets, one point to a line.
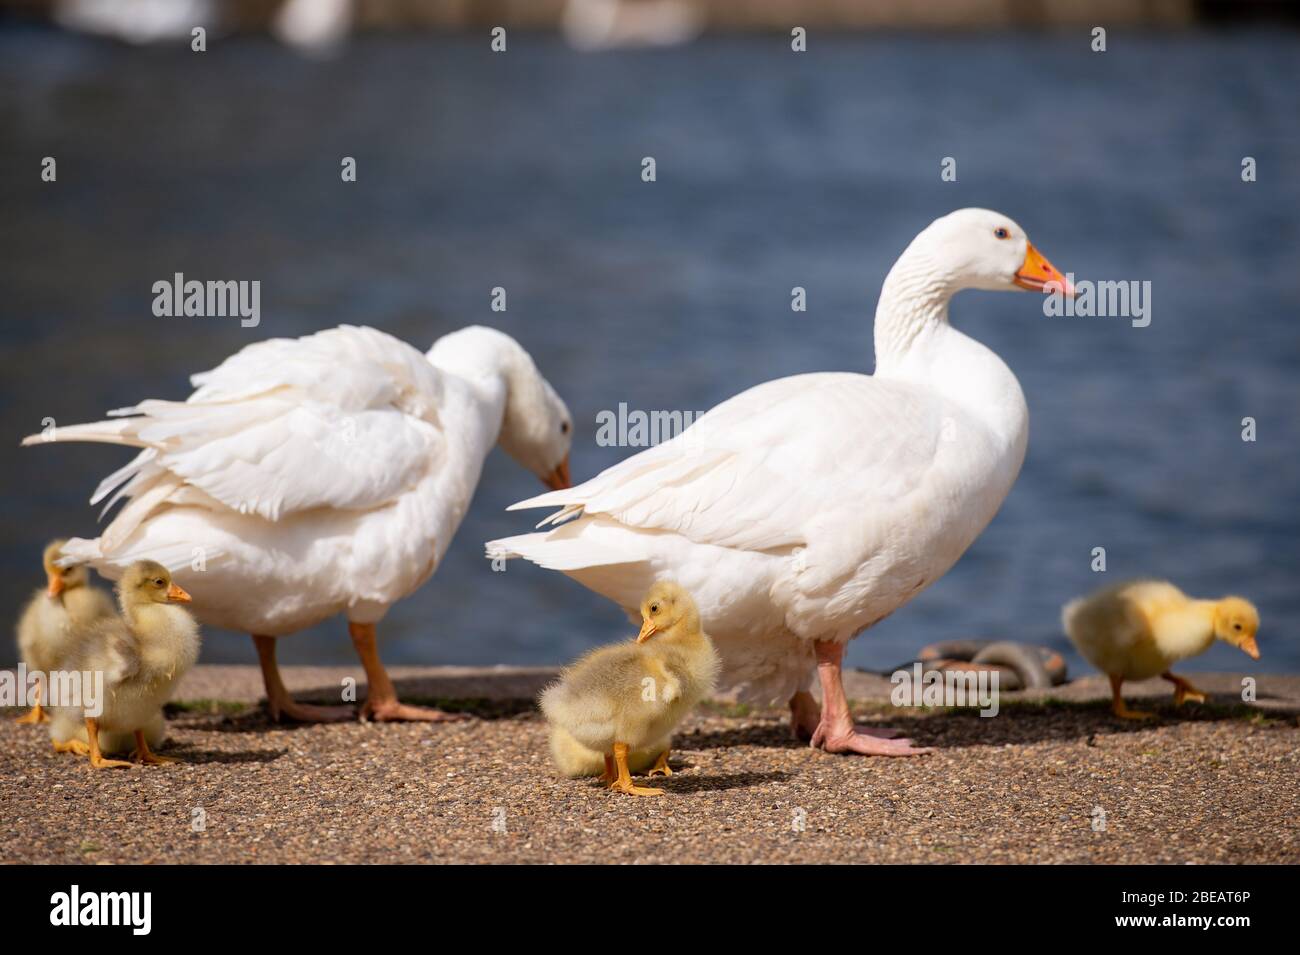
[321, 475]
[804, 510]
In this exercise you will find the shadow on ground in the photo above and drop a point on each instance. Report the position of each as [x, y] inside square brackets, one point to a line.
[1017, 723]
[191, 754]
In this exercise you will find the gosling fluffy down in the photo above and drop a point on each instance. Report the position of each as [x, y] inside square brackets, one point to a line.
[574, 760]
[67, 723]
[48, 626]
[142, 653]
[632, 693]
[1139, 629]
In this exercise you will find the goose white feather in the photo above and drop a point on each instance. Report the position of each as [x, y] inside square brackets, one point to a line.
[318, 475]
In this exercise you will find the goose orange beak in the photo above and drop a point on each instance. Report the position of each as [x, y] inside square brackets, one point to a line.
[647, 631]
[56, 584]
[558, 480]
[1036, 274]
[177, 595]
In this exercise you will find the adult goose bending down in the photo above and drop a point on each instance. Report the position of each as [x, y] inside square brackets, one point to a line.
[318, 476]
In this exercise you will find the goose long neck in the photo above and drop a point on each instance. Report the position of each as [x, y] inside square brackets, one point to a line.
[480, 360]
[915, 343]
[482, 415]
[913, 306]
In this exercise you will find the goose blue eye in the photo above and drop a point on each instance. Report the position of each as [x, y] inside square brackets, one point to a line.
[1001, 233]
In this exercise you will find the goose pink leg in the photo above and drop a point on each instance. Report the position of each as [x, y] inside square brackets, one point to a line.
[806, 716]
[835, 732]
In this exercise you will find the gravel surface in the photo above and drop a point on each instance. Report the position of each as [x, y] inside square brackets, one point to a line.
[1209, 784]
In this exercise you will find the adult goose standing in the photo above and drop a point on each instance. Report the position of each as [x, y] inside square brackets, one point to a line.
[804, 510]
[320, 475]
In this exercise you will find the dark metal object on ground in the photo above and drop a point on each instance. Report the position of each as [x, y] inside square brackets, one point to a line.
[1019, 665]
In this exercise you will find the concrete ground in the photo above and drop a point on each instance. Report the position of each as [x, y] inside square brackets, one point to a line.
[1053, 778]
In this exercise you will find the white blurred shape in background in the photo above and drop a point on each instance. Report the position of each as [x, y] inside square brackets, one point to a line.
[611, 24]
[136, 21]
[315, 27]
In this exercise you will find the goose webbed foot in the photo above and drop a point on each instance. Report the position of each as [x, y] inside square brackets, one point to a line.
[391, 710]
[805, 715]
[864, 741]
[806, 718]
[287, 708]
[835, 732]
[382, 704]
[280, 705]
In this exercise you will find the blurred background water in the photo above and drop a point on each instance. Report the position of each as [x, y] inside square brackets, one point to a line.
[774, 170]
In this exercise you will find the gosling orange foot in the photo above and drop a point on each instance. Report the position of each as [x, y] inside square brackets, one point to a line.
[99, 762]
[1124, 713]
[626, 786]
[97, 759]
[72, 746]
[1120, 708]
[36, 714]
[661, 767]
[143, 754]
[1183, 690]
[623, 782]
[152, 759]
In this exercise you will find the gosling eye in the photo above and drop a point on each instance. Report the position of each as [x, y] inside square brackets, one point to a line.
[157, 581]
[1236, 626]
[1001, 232]
[654, 608]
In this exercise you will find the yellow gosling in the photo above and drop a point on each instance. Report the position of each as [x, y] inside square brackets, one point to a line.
[624, 701]
[1136, 630]
[52, 617]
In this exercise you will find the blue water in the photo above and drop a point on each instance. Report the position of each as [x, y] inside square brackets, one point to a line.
[774, 170]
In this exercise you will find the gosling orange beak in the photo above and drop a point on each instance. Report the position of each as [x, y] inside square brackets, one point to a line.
[176, 595]
[1250, 648]
[56, 584]
[558, 480]
[1036, 274]
[647, 631]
